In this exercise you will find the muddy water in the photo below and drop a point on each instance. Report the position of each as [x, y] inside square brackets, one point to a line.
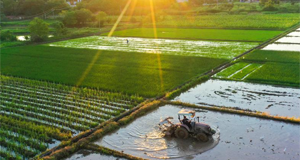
[159, 46]
[240, 137]
[143, 138]
[265, 98]
[91, 155]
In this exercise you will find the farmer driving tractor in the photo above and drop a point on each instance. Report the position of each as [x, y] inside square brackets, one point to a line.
[187, 122]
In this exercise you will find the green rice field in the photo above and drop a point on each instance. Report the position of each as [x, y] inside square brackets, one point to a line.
[238, 71]
[273, 56]
[241, 21]
[133, 73]
[36, 116]
[198, 34]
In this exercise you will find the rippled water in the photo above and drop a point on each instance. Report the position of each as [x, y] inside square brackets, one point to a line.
[160, 46]
[144, 139]
[266, 98]
[241, 137]
[91, 155]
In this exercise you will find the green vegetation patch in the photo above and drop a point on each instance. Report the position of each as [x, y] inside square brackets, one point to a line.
[206, 34]
[9, 44]
[133, 73]
[246, 71]
[273, 56]
[23, 23]
[34, 113]
[277, 73]
[224, 50]
[241, 21]
[238, 71]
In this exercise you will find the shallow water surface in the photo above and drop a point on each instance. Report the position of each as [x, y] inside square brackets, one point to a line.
[91, 155]
[294, 34]
[283, 47]
[143, 138]
[289, 40]
[241, 137]
[213, 49]
[266, 98]
[22, 37]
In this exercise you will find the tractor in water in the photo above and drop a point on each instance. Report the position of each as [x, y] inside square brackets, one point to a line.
[187, 127]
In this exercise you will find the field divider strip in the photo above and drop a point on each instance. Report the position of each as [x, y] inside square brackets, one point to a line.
[235, 110]
[239, 70]
[73, 144]
[252, 72]
[109, 151]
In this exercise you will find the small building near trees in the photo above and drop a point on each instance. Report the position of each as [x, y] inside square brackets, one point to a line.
[73, 3]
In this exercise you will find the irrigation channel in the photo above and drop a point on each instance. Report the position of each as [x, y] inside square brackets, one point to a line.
[281, 101]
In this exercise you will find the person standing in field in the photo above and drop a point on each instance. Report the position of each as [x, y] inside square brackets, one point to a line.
[127, 41]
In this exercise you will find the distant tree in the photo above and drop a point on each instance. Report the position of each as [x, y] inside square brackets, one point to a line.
[69, 18]
[32, 7]
[262, 2]
[270, 5]
[101, 18]
[7, 36]
[60, 29]
[39, 30]
[83, 16]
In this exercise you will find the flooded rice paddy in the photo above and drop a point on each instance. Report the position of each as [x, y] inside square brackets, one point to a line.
[91, 155]
[265, 98]
[283, 47]
[295, 40]
[27, 37]
[294, 34]
[212, 49]
[240, 136]
[291, 42]
[143, 138]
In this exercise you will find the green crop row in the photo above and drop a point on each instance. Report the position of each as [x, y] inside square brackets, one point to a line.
[273, 56]
[206, 34]
[131, 73]
[238, 71]
[225, 73]
[33, 113]
[249, 21]
[277, 73]
[246, 71]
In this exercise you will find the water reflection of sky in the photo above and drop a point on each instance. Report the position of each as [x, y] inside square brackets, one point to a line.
[160, 46]
[266, 98]
[291, 42]
[144, 139]
[241, 137]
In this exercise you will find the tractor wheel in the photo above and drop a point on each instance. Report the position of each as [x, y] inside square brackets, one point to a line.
[202, 137]
[181, 133]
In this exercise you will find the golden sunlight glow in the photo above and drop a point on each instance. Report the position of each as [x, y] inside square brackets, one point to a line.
[95, 58]
[119, 19]
[155, 36]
